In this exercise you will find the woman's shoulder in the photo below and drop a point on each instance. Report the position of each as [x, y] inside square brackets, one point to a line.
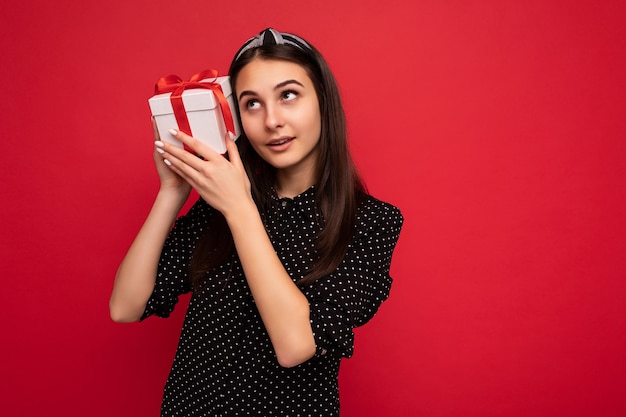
[372, 211]
[372, 205]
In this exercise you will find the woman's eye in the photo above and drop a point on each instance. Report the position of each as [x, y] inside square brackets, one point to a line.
[252, 104]
[289, 95]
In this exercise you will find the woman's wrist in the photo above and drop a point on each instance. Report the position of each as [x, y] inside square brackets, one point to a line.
[171, 198]
[243, 212]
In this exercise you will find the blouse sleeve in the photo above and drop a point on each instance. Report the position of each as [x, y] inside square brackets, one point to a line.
[173, 270]
[350, 296]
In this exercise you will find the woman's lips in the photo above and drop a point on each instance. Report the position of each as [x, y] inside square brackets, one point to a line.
[280, 142]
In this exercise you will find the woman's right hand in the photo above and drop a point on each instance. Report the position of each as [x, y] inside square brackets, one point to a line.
[170, 181]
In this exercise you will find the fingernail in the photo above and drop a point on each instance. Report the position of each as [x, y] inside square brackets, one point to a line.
[159, 150]
[231, 135]
[173, 132]
[168, 163]
[159, 144]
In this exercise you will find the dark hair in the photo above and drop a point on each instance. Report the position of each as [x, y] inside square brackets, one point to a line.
[338, 186]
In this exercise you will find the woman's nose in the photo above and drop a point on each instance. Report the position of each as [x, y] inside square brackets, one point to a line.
[273, 117]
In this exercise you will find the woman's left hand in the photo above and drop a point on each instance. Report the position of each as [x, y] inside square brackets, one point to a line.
[220, 182]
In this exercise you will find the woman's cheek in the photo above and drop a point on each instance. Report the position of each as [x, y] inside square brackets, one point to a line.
[248, 123]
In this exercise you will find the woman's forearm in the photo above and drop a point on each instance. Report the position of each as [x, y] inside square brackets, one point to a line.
[136, 274]
[282, 306]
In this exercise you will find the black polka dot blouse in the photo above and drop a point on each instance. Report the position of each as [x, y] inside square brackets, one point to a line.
[225, 364]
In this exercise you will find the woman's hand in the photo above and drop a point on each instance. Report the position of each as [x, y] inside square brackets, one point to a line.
[170, 181]
[220, 182]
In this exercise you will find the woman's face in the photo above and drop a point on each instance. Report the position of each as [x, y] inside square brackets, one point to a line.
[280, 114]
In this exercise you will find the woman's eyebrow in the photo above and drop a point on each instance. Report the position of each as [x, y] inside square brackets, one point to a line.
[276, 87]
[284, 83]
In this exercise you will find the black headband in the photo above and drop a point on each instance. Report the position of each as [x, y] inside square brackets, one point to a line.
[273, 37]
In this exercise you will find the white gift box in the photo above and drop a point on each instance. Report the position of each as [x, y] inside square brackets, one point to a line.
[203, 112]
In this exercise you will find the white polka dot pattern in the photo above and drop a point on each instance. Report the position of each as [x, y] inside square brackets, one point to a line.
[225, 364]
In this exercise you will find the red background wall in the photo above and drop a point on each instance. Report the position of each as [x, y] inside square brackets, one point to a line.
[496, 126]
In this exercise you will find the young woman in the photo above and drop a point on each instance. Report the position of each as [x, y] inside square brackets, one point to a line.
[284, 252]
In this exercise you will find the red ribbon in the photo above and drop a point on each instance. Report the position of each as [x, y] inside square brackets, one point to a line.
[175, 85]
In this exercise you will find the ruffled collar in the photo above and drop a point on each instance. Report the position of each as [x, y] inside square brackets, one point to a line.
[303, 202]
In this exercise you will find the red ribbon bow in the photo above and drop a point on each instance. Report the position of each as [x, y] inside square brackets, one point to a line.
[175, 85]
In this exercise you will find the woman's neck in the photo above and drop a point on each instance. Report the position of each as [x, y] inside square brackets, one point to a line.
[289, 186]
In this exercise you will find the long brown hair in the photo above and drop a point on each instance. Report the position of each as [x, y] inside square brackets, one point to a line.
[338, 186]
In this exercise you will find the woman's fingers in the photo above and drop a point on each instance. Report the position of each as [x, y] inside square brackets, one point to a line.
[185, 163]
[178, 160]
[155, 130]
[195, 145]
[233, 152]
[218, 180]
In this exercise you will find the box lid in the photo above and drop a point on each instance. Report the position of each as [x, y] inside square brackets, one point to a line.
[194, 99]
